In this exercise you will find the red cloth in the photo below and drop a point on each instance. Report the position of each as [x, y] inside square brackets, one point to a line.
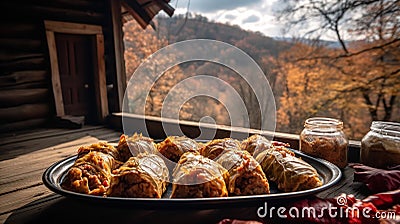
[377, 180]
[235, 221]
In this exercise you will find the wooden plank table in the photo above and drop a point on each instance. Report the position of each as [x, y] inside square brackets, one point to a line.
[24, 198]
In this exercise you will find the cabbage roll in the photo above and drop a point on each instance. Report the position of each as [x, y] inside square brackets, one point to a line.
[144, 176]
[173, 147]
[246, 176]
[90, 174]
[134, 145]
[196, 176]
[103, 147]
[256, 144]
[216, 147]
[289, 172]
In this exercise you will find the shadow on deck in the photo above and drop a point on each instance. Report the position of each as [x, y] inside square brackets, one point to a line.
[23, 142]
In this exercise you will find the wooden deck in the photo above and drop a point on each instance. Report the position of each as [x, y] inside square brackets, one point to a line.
[24, 157]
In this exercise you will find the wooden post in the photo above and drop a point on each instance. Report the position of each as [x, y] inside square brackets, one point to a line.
[101, 82]
[119, 50]
[55, 75]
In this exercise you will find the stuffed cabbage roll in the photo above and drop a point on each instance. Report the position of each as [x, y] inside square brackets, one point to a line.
[103, 147]
[144, 176]
[216, 147]
[256, 144]
[246, 176]
[196, 176]
[90, 174]
[134, 145]
[289, 172]
[173, 147]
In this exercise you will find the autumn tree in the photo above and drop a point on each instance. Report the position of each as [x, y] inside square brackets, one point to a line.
[139, 45]
[358, 76]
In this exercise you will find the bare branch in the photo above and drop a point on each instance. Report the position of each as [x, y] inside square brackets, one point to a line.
[366, 50]
[363, 85]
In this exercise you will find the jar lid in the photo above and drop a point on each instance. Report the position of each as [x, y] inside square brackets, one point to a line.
[386, 128]
[323, 123]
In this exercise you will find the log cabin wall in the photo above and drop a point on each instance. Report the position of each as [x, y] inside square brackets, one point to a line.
[26, 96]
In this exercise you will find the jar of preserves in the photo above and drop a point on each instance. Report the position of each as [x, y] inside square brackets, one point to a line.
[380, 147]
[324, 138]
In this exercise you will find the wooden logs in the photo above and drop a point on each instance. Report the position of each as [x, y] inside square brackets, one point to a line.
[20, 44]
[32, 62]
[15, 97]
[26, 94]
[16, 56]
[21, 77]
[21, 125]
[24, 112]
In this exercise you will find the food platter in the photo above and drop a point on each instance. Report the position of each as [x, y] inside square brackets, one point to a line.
[328, 173]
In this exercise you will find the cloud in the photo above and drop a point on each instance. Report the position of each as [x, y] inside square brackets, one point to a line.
[278, 6]
[209, 6]
[251, 19]
[230, 17]
[254, 15]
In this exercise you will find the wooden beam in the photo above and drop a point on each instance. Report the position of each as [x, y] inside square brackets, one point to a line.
[15, 97]
[22, 125]
[32, 62]
[21, 44]
[76, 5]
[24, 112]
[101, 73]
[15, 56]
[19, 29]
[55, 75]
[29, 85]
[166, 7]
[119, 50]
[137, 12]
[72, 28]
[21, 77]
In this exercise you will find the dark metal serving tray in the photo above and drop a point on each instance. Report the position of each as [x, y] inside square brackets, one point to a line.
[328, 172]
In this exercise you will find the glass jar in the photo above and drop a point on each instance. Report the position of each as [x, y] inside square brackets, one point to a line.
[324, 138]
[380, 147]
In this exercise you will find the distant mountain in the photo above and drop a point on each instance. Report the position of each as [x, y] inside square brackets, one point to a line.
[327, 43]
[140, 44]
[255, 44]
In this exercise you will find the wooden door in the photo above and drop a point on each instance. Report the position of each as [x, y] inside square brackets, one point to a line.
[76, 62]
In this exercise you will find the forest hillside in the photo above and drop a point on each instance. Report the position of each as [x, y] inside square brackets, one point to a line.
[302, 88]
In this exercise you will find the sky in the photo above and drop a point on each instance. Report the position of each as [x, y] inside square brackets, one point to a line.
[253, 15]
